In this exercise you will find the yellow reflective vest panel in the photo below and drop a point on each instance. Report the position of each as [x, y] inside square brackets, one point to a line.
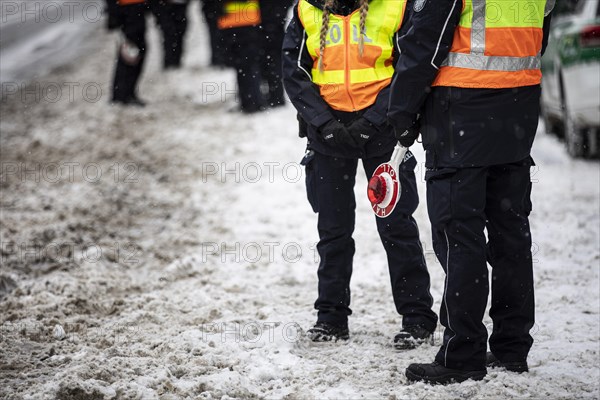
[237, 14]
[348, 81]
[497, 44]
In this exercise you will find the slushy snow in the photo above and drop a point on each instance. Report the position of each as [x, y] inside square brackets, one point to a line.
[188, 268]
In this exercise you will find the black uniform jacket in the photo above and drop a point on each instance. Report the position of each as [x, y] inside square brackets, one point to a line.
[460, 127]
[313, 111]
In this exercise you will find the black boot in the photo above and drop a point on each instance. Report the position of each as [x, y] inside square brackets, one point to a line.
[437, 374]
[325, 332]
[412, 336]
[513, 366]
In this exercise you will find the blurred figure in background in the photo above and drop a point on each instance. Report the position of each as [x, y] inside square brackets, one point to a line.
[210, 11]
[130, 15]
[240, 39]
[273, 13]
[171, 18]
[113, 20]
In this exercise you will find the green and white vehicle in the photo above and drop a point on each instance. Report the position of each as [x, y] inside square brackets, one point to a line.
[571, 80]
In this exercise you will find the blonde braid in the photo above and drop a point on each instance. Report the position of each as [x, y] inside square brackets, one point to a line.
[364, 10]
[324, 29]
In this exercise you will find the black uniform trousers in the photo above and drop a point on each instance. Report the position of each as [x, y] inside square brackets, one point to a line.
[330, 186]
[210, 11]
[172, 20]
[242, 46]
[131, 53]
[273, 14]
[462, 202]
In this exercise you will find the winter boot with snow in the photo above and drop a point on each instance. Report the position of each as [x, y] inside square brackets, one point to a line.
[325, 332]
[437, 374]
[513, 366]
[412, 336]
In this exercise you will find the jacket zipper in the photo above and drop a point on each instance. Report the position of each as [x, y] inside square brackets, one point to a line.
[347, 61]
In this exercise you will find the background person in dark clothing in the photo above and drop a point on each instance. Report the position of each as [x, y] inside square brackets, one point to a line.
[172, 21]
[478, 78]
[113, 11]
[240, 41]
[131, 52]
[273, 13]
[130, 17]
[210, 11]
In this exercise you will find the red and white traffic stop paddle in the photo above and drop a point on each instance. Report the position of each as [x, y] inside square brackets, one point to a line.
[384, 188]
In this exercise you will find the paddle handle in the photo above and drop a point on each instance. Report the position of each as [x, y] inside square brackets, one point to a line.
[398, 156]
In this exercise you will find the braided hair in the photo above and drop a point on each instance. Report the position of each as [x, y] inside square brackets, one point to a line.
[364, 10]
[324, 29]
[327, 9]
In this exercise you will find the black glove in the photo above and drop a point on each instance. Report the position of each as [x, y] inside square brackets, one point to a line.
[335, 132]
[408, 136]
[361, 130]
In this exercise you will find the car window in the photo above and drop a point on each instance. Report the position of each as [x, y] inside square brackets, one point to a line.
[567, 7]
[579, 6]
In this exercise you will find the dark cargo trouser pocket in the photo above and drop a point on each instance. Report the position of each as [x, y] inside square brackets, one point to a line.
[439, 196]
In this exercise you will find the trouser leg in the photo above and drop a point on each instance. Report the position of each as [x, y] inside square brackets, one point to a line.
[330, 185]
[456, 204]
[245, 57]
[173, 23]
[131, 53]
[272, 66]
[250, 95]
[165, 12]
[273, 71]
[179, 12]
[209, 12]
[400, 237]
[509, 254]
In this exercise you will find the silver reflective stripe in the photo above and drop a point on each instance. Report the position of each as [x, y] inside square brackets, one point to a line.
[478, 27]
[549, 7]
[477, 60]
[492, 63]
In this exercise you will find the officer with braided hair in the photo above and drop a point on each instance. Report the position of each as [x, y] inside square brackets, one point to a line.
[338, 62]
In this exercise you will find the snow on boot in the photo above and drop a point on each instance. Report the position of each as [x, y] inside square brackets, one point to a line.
[437, 374]
[513, 366]
[325, 332]
[412, 336]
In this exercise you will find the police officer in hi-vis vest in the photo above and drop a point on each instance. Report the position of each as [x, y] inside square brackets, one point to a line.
[338, 63]
[131, 52]
[239, 39]
[472, 69]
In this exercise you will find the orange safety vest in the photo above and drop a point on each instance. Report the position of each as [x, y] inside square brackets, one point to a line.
[497, 44]
[240, 13]
[348, 81]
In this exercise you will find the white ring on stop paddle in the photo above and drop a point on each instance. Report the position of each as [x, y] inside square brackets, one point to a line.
[389, 190]
[389, 172]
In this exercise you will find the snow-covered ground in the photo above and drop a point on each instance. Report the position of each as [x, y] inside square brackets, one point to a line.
[39, 36]
[175, 248]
